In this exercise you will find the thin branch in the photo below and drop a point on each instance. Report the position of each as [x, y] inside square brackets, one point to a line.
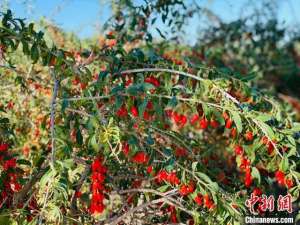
[152, 191]
[52, 119]
[162, 70]
[266, 134]
[115, 221]
[230, 97]
[85, 98]
[3, 202]
[78, 112]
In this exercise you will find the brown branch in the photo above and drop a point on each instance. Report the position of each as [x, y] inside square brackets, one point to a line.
[165, 196]
[52, 119]
[78, 112]
[115, 221]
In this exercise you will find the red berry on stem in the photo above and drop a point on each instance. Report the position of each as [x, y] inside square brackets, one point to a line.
[125, 148]
[194, 119]
[149, 105]
[149, 169]
[176, 117]
[122, 112]
[134, 111]
[214, 123]
[289, 182]
[181, 152]
[203, 123]
[183, 120]
[140, 157]
[225, 116]
[280, 177]
[199, 199]
[228, 123]
[257, 191]
[173, 179]
[233, 132]
[248, 178]
[161, 176]
[249, 136]
[3, 147]
[146, 116]
[238, 150]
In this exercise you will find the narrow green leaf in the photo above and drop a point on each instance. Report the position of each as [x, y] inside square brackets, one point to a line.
[238, 121]
[255, 173]
[284, 164]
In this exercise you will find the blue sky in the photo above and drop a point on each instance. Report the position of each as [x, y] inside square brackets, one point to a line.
[85, 17]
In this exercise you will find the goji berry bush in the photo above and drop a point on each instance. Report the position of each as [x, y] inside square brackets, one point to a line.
[133, 131]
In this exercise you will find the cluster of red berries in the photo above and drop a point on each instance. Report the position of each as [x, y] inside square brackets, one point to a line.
[200, 200]
[204, 200]
[179, 119]
[97, 186]
[181, 152]
[203, 122]
[173, 216]
[123, 112]
[11, 183]
[169, 56]
[135, 113]
[164, 176]
[184, 190]
[139, 157]
[152, 80]
[228, 125]
[77, 81]
[269, 144]
[282, 180]
[245, 165]
[257, 192]
[187, 189]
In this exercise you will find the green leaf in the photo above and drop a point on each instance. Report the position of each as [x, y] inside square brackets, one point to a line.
[163, 188]
[249, 77]
[117, 89]
[284, 164]
[264, 117]
[255, 173]
[170, 164]
[142, 107]
[214, 186]
[93, 143]
[34, 53]
[196, 217]
[150, 140]
[194, 166]
[266, 129]
[25, 47]
[173, 102]
[79, 138]
[237, 120]
[204, 177]
[23, 162]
